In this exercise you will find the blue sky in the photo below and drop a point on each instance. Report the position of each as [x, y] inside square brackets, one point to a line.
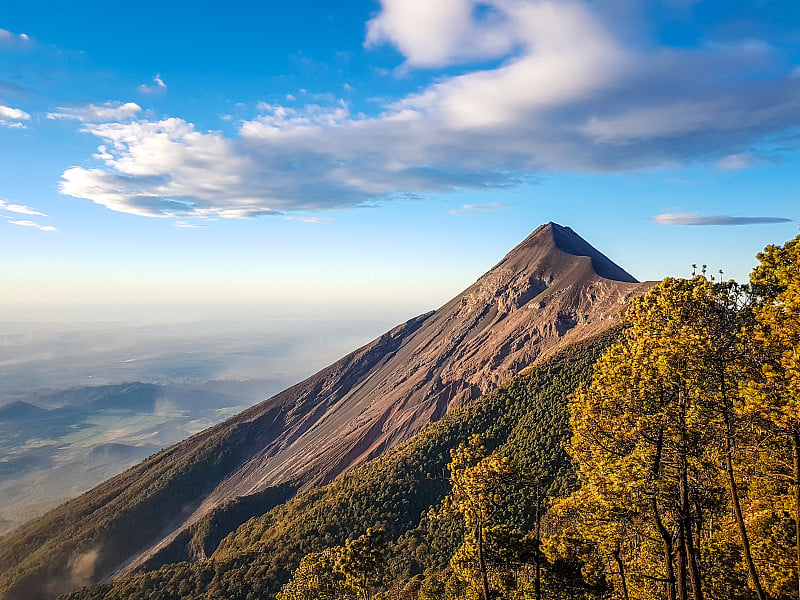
[176, 155]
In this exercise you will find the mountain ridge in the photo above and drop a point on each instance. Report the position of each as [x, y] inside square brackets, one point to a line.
[548, 292]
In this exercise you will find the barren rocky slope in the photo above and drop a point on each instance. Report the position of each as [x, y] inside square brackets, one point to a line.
[552, 290]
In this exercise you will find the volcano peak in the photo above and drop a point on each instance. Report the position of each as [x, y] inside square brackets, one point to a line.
[551, 245]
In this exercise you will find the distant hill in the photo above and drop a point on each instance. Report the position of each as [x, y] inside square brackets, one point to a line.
[552, 290]
[21, 411]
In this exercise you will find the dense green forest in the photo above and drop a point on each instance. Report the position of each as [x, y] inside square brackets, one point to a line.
[661, 461]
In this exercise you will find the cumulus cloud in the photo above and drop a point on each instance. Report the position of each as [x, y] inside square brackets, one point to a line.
[19, 208]
[166, 168]
[434, 34]
[471, 209]
[696, 219]
[98, 113]
[13, 113]
[13, 117]
[34, 224]
[563, 91]
[158, 85]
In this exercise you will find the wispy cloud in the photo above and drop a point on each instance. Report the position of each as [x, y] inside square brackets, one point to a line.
[158, 85]
[19, 208]
[12, 117]
[696, 219]
[8, 37]
[567, 92]
[8, 86]
[471, 209]
[12, 124]
[311, 219]
[188, 225]
[34, 224]
[736, 161]
[98, 113]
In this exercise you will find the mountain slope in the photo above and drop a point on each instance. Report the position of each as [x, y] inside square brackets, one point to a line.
[527, 420]
[552, 290]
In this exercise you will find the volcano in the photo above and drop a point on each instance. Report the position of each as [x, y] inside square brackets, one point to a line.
[552, 290]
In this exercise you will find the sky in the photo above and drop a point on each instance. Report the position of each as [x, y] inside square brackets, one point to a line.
[162, 159]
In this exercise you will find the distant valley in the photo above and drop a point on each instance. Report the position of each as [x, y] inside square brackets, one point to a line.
[74, 410]
[54, 446]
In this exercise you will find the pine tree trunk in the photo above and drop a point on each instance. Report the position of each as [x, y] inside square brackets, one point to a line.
[796, 444]
[666, 538]
[737, 510]
[621, 568]
[683, 592]
[482, 563]
[688, 537]
[538, 582]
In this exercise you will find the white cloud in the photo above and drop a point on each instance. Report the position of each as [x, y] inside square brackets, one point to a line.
[13, 117]
[98, 113]
[165, 168]
[471, 209]
[187, 225]
[696, 219]
[16, 114]
[35, 225]
[158, 85]
[434, 34]
[20, 209]
[567, 93]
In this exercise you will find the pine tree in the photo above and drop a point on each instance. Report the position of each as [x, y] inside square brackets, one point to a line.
[363, 559]
[318, 577]
[652, 436]
[773, 393]
[346, 572]
[477, 479]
